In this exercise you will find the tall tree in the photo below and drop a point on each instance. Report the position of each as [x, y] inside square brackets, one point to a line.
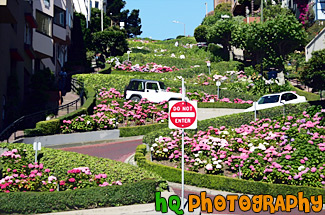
[133, 25]
[271, 41]
[313, 74]
[220, 33]
[111, 41]
[114, 7]
[95, 20]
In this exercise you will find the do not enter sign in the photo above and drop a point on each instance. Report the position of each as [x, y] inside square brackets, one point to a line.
[182, 115]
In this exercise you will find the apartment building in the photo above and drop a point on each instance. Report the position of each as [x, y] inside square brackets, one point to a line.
[16, 24]
[53, 35]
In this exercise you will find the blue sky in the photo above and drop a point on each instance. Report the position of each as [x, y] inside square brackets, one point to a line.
[157, 16]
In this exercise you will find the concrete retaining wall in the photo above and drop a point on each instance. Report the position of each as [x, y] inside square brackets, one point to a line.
[60, 139]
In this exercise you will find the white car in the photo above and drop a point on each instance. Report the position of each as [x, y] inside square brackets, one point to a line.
[277, 99]
[154, 91]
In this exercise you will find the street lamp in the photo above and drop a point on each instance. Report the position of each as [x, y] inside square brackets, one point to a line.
[206, 9]
[180, 23]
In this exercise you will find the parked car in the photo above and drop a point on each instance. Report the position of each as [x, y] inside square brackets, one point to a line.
[277, 99]
[154, 91]
[202, 44]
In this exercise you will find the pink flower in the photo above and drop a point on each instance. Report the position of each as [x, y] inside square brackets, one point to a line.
[47, 170]
[287, 157]
[302, 161]
[72, 180]
[51, 190]
[313, 169]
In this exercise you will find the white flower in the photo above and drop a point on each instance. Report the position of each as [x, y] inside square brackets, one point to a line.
[252, 149]
[204, 161]
[215, 162]
[196, 155]
[224, 132]
[214, 159]
[261, 146]
[250, 145]
[152, 149]
[182, 56]
[301, 168]
[154, 145]
[88, 122]
[218, 166]
[172, 55]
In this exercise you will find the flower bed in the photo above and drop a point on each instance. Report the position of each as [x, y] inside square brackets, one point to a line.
[59, 170]
[22, 177]
[149, 67]
[289, 150]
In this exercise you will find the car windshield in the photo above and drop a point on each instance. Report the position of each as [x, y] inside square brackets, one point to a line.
[162, 85]
[269, 99]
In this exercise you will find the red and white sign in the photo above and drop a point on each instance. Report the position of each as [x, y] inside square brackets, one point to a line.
[182, 115]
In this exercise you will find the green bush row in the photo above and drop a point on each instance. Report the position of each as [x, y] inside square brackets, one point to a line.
[224, 183]
[309, 96]
[46, 202]
[52, 126]
[141, 130]
[222, 105]
[234, 120]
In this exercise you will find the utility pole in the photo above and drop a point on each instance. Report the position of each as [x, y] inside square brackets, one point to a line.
[206, 9]
[262, 11]
[102, 15]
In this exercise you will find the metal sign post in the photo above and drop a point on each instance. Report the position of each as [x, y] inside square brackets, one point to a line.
[209, 66]
[37, 147]
[183, 99]
[218, 83]
[254, 111]
[182, 115]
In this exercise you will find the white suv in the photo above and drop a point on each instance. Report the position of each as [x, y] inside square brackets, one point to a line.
[154, 91]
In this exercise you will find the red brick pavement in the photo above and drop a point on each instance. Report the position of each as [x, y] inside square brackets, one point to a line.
[118, 151]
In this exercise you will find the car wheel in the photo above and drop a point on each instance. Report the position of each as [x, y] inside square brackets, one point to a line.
[135, 98]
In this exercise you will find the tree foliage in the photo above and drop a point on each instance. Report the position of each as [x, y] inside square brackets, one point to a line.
[200, 33]
[110, 41]
[313, 74]
[220, 33]
[95, 20]
[132, 21]
[271, 41]
[272, 11]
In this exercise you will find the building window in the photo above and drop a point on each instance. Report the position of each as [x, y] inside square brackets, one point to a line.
[96, 4]
[47, 3]
[44, 23]
[59, 16]
[28, 34]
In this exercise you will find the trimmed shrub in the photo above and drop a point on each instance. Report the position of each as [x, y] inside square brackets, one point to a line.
[46, 202]
[309, 96]
[217, 182]
[141, 130]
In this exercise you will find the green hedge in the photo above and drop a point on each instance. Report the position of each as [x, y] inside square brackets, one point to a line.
[217, 182]
[222, 105]
[233, 120]
[309, 96]
[141, 130]
[52, 126]
[46, 202]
